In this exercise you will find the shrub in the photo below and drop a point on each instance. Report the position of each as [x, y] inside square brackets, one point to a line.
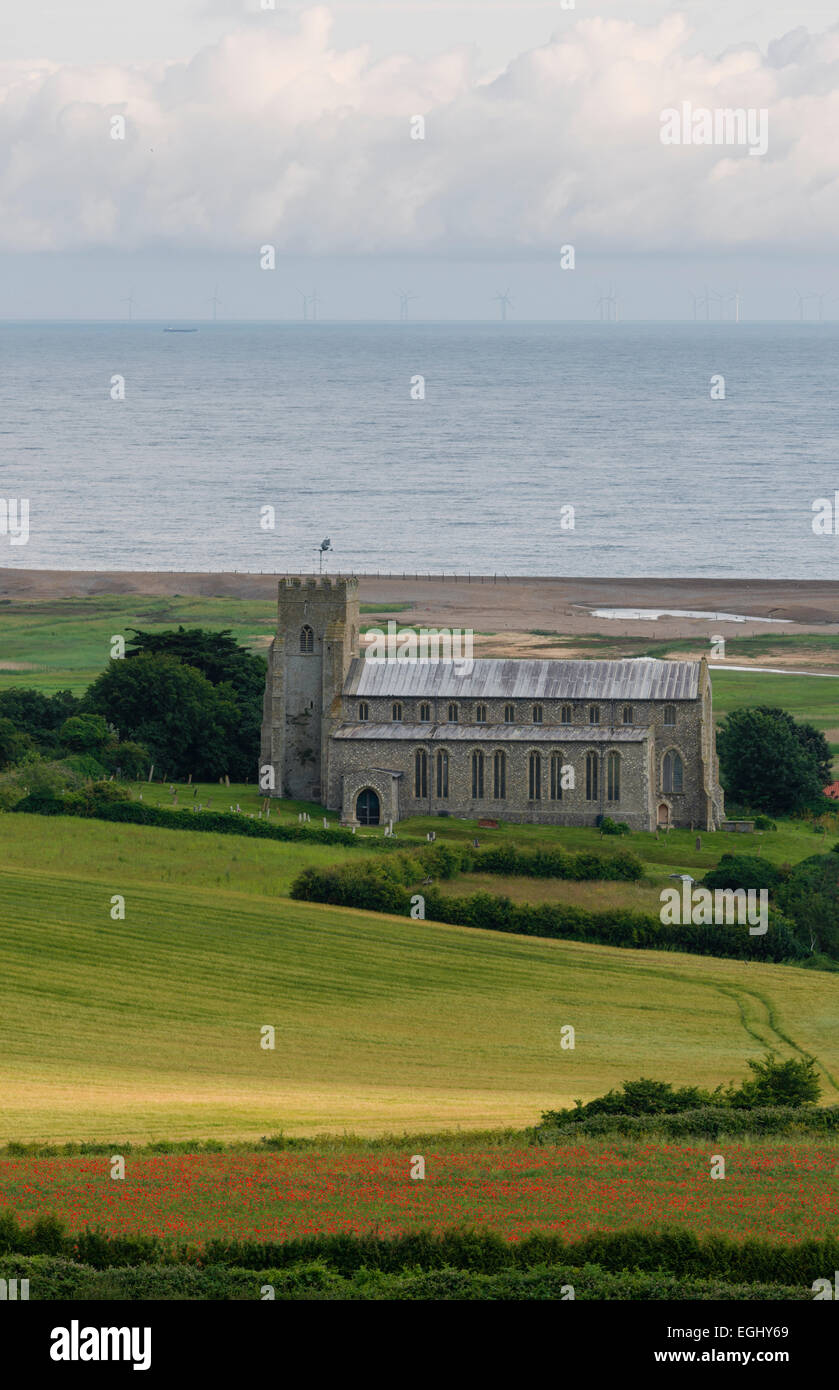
[743, 871]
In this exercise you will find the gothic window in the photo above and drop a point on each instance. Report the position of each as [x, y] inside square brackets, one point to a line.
[670, 715]
[594, 714]
[591, 776]
[556, 776]
[454, 714]
[535, 777]
[420, 774]
[509, 714]
[443, 774]
[537, 714]
[480, 714]
[627, 714]
[613, 777]
[566, 715]
[477, 776]
[499, 775]
[425, 714]
[672, 772]
[396, 712]
[307, 639]
[363, 712]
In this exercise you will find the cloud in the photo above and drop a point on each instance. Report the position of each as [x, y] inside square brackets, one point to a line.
[272, 135]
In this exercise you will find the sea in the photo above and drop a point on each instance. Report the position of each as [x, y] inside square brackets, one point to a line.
[584, 449]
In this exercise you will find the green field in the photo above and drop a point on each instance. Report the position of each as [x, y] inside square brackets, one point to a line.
[150, 1027]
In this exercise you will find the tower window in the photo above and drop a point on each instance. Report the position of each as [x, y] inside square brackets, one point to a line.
[307, 639]
[556, 776]
[480, 714]
[627, 714]
[425, 713]
[396, 712]
[594, 714]
[363, 712]
[454, 714]
[670, 715]
[537, 714]
[672, 772]
[566, 715]
[509, 714]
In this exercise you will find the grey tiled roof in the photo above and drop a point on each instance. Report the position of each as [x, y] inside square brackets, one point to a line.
[526, 680]
[496, 733]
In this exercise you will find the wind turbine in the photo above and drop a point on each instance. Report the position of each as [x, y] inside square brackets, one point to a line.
[130, 301]
[709, 295]
[215, 301]
[608, 306]
[404, 300]
[505, 303]
[802, 300]
[736, 299]
[697, 300]
[821, 298]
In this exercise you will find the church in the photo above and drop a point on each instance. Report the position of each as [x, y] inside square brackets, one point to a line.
[553, 741]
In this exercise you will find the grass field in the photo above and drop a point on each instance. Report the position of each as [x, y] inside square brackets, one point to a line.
[785, 1193]
[150, 1027]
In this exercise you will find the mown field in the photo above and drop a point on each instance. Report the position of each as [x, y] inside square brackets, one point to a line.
[782, 1192]
[150, 1027]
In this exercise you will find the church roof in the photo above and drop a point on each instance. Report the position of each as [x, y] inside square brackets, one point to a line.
[559, 734]
[525, 679]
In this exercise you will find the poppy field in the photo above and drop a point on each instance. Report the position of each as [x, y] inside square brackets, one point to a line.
[770, 1189]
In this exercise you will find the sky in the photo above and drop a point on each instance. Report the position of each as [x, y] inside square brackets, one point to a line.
[168, 150]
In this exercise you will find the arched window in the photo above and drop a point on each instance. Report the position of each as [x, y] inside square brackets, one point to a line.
[535, 777]
[672, 772]
[627, 714]
[442, 774]
[477, 775]
[396, 712]
[499, 775]
[670, 715]
[420, 774]
[363, 712]
[480, 714]
[613, 777]
[591, 776]
[454, 714]
[509, 714]
[307, 639]
[537, 714]
[425, 713]
[566, 715]
[594, 714]
[556, 776]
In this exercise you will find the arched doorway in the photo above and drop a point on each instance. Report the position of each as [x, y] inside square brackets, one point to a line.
[664, 814]
[367, 808]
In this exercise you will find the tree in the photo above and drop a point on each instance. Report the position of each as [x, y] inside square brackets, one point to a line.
[793, 1082]
[13, 744]
[224, 663]
[85, 733]
[36, 714]
[765, 764]
[187, 724]
[811, 898]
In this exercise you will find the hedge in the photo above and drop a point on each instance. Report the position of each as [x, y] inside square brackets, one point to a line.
[706, 1122]
[674, 1251]
[52, 1278]
[381, 888]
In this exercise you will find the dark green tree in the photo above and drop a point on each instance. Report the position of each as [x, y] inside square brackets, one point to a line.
[36, 714]
[187, 724]
[85, 733]
[763, 762]
[811, 898]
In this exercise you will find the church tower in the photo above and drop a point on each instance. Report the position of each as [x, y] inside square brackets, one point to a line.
[317, 637]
